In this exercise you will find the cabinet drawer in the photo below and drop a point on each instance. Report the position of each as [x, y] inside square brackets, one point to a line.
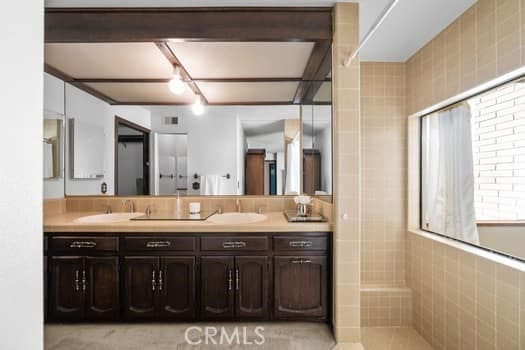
[159, 243]
[234, 243]
[83, 244]
[295, 243]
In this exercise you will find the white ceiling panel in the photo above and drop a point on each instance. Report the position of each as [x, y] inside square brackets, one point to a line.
[243, 59]
[142, 93]
[248, 92]
[109, 60]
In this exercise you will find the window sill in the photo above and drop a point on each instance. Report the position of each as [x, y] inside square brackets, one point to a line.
[471, 249]
[501, 223]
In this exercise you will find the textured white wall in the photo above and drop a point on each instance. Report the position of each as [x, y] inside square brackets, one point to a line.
[21, 88]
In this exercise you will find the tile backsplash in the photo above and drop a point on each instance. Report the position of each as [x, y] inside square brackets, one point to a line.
[166, 204]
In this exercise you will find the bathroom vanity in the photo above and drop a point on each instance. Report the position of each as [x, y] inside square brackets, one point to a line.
[212, 276]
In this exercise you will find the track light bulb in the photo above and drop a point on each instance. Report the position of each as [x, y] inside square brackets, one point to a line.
[176, 85]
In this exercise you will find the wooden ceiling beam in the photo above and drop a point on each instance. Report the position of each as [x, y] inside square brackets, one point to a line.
[172, 58]
[91, 25]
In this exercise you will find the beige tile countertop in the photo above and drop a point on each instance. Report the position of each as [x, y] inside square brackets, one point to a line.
[275, 222]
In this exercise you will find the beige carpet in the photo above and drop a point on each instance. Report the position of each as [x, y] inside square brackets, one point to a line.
[277, 336]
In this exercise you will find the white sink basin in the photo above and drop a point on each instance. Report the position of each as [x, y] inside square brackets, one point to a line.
[107, 218]
[236, 218]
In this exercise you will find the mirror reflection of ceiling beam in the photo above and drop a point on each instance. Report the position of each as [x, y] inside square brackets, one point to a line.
[63, 76]
[163, 25]
[172, 58]
[317, 69]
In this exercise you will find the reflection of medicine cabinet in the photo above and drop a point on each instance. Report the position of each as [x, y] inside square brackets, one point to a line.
[86, 149]
[52, 141]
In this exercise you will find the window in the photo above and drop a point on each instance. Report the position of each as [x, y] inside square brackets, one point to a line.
[498, 129]
[473, 168]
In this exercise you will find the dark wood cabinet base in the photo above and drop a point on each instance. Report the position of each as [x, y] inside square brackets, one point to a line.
[197, 277]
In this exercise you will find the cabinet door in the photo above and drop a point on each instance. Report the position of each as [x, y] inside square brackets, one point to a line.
[217, 294]
[300, 287]
[66, 295]
[177, 288]
[102, 288]
[251, 287]
[140, 287]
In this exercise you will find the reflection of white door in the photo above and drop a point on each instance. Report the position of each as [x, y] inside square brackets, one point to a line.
[172, 163]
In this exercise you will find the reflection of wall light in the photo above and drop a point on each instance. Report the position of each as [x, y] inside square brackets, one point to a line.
[177, 86]
[198, 107]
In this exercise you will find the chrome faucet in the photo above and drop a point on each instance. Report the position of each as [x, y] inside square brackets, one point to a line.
[238, 204]
[129, 203]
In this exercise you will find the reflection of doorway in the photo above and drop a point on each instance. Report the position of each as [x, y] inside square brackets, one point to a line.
[131, 158]
[171, 169]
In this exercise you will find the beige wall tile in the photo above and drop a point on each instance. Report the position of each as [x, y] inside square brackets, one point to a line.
[347, 174]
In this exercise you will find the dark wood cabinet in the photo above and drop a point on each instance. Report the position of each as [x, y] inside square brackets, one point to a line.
[254, 174]
[251, 287]
[217, 295]
[300, 287]
[191, 277]
[101, 278]
[160, 288]
[235, 287]
[67, 297]
[140, 287]
[177, 288]
[84, 288]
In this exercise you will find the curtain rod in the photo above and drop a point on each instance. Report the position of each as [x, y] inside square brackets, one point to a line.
[371, 31]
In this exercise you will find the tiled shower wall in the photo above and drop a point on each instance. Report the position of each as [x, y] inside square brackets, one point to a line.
[486, 41]
[385, 302]
[462, 300]
[384, 139]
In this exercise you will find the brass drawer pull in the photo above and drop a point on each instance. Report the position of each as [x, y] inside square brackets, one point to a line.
[300, 244]
[301, 261]
[230, 280]
[233, 244]
[158, 244]
[83, 244]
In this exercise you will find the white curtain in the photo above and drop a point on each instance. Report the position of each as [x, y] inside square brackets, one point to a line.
[293, 163]
[449, 175]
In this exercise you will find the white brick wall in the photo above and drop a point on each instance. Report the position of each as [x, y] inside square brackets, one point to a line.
[498, 124]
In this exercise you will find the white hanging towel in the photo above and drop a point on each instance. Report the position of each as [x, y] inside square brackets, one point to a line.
[210, 185]
[293, 159]
[48, 160]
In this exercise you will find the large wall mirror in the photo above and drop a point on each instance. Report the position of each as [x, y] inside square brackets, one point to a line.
[201, 117]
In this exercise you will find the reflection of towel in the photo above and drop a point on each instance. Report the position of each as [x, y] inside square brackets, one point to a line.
[210, 185]
[292, 167]
[48, 160]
